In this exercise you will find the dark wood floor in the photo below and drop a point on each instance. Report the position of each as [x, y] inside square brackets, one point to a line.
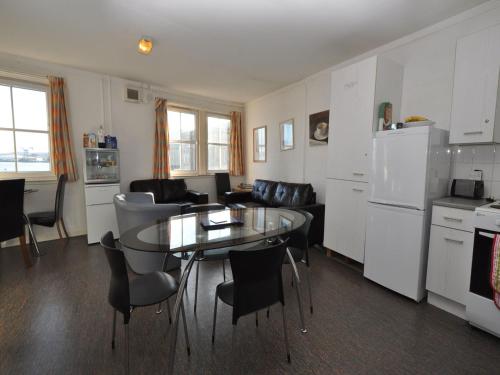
[54, 319]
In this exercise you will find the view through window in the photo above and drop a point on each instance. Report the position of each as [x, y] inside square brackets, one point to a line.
[218, 142]
[182, 131]
[24, 130]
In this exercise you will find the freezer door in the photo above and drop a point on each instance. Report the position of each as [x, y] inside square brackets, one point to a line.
[399, 167]
[395, 250]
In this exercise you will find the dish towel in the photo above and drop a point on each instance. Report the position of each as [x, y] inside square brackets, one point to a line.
[495, 270]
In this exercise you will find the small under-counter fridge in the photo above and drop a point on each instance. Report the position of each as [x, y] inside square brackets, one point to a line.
[102, 182]
[410, 167]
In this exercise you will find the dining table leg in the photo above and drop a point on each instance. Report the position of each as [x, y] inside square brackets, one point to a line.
[176, 312]
[297, 288]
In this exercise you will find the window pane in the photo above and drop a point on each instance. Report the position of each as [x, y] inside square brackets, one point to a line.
[217, 157]
[7, 158]
[32, 152]
[188, 127]
[188, 157]
[5, 108]
[175, 156]
[224, 156]
[30, 109]
[218, 129]
[174, 125]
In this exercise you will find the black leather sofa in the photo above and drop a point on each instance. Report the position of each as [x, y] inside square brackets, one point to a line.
[170, 191]
[266, 193]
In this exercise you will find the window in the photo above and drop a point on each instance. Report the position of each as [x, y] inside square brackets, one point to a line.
[218, 141]
[24, 130]
[183, 138]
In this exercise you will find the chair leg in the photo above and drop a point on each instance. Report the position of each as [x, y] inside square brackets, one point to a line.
[285, 333]
[59, 229]
[295, 274]
[224, 269]
[64, 228]
[159, 309]
[169, 313]
[188, 346]
[196, 286]
[256, 318]
[24, 251]
[32, 236]
[215, 316]
[268, 309]
[310, 289]
[114, 330]
[127, 353]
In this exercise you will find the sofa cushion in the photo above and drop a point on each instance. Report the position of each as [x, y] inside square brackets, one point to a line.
[147, 186]
[173, 190]
[263, 191]
[292, 195]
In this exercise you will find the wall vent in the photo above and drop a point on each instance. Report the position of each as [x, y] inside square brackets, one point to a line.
[133, 94]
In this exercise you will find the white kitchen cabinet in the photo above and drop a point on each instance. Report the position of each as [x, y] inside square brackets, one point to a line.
[450, 257]
[356, 92]
[345, 218]
[101, 216]
[475, 88]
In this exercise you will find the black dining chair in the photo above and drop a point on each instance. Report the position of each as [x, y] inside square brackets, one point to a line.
[298, 245]
[222, 184]
[50, 218]
[257, 283]
[12, 219]
[144, 290]
[215, 255]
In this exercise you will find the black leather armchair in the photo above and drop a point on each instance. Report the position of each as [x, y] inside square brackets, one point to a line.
[170, 191]
[266, 193]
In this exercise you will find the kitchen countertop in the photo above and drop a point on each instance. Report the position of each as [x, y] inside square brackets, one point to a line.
[460, 203]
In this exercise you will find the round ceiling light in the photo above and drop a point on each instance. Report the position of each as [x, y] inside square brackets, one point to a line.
[145, 45]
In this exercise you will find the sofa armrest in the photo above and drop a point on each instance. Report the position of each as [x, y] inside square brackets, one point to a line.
[197, 197]
[237, 197]
[317, 230]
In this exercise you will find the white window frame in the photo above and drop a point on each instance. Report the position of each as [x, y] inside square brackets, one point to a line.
[185, 172]
[28, 175]
[226, 117]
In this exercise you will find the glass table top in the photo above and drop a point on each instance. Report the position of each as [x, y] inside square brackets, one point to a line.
[184, 232]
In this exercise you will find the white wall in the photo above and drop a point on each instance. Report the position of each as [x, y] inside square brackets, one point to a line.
[428, 57]
[93, 100]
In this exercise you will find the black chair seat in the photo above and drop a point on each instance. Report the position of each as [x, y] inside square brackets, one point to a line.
[225, 291]
[297, 255]
[152, 288]
[45, 218]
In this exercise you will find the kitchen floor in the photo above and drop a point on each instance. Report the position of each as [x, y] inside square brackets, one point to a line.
[55, 319]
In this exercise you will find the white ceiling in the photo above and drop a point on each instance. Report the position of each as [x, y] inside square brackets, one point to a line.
[235, 50]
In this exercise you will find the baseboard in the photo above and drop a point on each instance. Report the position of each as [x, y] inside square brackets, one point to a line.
[447, 305]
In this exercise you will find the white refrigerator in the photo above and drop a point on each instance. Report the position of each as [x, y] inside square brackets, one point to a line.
[409, 168]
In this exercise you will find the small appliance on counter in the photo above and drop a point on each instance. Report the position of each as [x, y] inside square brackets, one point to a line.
[473, 189]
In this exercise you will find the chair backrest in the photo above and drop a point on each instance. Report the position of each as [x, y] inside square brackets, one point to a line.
[12, 209]
[204, 208]
[222, 183]
[119, 292]
[300, 237]
[59, 205]
[257, 278]
[130, 214]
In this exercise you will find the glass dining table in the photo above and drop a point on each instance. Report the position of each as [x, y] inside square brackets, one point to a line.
[191, 234]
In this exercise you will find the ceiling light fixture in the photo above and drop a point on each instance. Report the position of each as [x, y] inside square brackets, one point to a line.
[145, 45]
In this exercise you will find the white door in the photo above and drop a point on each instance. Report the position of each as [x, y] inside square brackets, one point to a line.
[469, 91]
[351, 121]
[399, 167]
[395, 254]
[345, 218]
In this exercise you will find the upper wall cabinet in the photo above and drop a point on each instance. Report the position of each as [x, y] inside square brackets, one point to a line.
[356, 92]
[475, 89]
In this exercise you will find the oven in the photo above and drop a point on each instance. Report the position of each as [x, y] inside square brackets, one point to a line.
[480, 308]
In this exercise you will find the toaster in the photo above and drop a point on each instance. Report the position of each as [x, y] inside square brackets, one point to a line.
[467, 188]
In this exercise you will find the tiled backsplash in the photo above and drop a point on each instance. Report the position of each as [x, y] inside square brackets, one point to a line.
[465, 159]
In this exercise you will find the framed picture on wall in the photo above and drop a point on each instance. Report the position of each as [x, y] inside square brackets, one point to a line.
[260, 144]
[318, 128]
[286, 135]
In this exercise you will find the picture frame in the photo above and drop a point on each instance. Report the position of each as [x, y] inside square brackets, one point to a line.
[287, 137]
[318, 128]
[260, 144]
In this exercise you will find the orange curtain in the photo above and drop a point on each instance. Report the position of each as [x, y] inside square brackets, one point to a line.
[60, 137]
[236, 162]
[161, 165]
